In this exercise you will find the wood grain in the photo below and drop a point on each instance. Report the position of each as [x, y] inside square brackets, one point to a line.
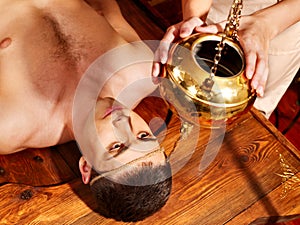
[219, 176]
[36, 167]
[50, 205]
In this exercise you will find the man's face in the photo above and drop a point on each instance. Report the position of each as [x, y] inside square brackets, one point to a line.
[124, 136]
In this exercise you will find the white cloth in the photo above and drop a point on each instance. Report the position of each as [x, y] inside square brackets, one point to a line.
[284, 52]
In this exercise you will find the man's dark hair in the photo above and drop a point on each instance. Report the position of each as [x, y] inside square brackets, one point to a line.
[135, 194]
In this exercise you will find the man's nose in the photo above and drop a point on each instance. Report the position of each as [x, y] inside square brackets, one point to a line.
[123, 128]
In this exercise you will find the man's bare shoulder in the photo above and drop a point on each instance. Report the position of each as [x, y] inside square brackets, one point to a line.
[7, 7]
[14, 14]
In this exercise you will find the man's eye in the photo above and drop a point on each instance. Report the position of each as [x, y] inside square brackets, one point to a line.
[115, 147]
[143, 135]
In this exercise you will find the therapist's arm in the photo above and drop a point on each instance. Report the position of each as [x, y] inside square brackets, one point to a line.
[195, 8]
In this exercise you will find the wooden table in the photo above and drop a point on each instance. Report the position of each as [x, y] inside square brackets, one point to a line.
[239, 184]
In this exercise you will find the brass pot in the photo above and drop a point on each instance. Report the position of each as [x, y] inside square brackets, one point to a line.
[195, 95]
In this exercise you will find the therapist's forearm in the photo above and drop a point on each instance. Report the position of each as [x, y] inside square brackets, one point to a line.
[198, 8]
[280, 16]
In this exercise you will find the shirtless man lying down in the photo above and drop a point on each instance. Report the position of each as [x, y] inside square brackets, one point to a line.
[45, 48]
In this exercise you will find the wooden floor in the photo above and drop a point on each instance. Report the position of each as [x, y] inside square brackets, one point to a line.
[43, 186]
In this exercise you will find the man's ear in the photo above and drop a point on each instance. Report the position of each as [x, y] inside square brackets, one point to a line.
[85, 170]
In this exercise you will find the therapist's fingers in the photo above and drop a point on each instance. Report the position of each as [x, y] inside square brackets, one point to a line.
[161, 53]
[160, 70]
[250, 58]
[189, 26]
[179, 30]
[155, 72]
[256, 59]
[260, 75]
[160, 57]
[211, 29]
[262, 84]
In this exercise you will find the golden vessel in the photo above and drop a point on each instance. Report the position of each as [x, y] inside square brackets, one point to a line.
[197, 95]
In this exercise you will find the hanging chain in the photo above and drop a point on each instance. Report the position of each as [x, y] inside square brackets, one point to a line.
[233, 20]
[230, 31]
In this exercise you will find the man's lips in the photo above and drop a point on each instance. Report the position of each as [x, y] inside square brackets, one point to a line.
[110, 110]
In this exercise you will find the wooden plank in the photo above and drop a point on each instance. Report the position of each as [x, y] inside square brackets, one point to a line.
[285, 208]
[36, 167]
[273, 130]
[62, 204]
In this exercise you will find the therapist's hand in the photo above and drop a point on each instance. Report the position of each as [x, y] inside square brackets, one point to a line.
[254, 36]
[180, 30]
